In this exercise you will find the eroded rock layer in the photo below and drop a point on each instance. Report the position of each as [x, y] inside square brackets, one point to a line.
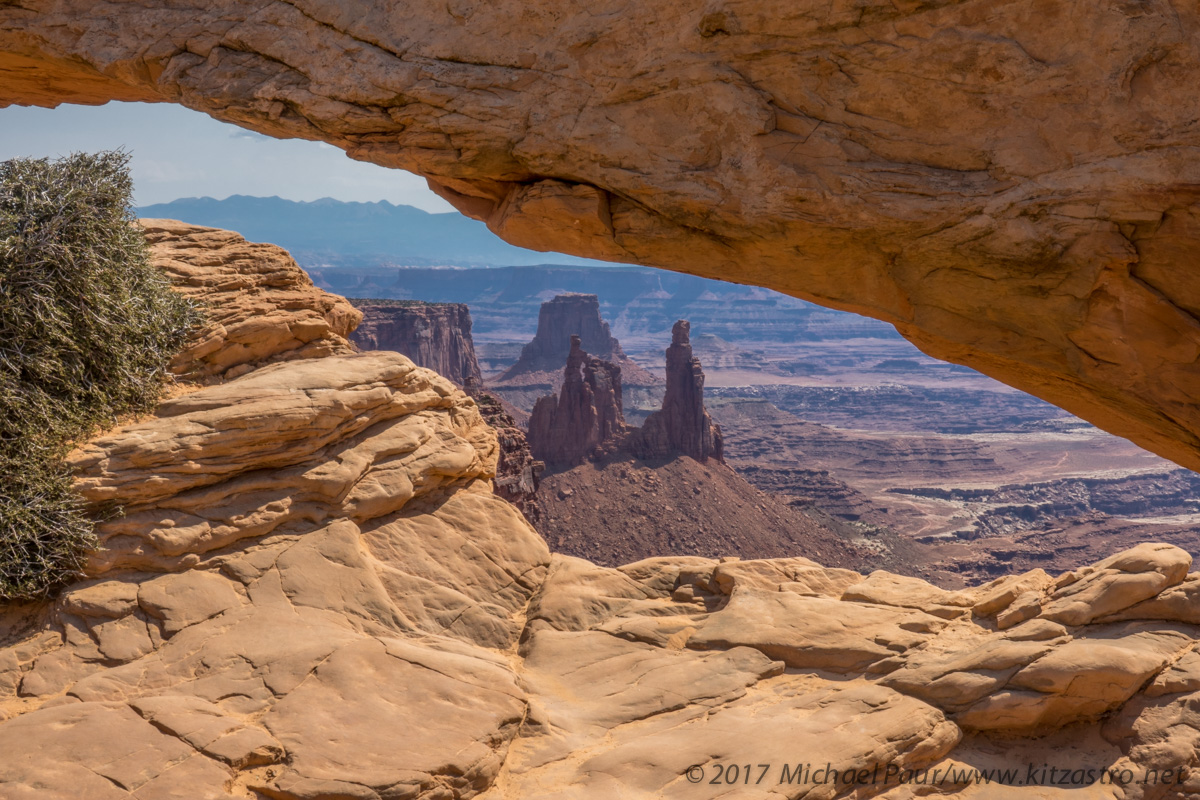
[434, 335]
[259, 306]
[1014, 190]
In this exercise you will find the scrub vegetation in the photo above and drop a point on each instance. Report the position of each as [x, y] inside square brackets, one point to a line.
[87, 327]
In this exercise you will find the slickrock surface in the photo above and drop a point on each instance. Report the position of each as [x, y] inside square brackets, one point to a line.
[434, 335]
[1014, 190]
[540, 366]
[310, 563]
[313, 593]
[683, 425]
[259, 305]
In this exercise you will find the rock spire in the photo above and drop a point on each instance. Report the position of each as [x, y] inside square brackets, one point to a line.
[586, 418]
[683, 425]
[586, 414]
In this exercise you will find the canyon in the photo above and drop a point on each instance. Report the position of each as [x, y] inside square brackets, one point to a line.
[836, 417]
[313, 587]
[1013, 495]
[311, 564]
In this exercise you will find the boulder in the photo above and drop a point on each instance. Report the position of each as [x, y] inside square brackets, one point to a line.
[1116, 583]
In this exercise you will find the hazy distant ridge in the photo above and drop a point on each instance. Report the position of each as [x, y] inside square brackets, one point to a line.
[331, 232]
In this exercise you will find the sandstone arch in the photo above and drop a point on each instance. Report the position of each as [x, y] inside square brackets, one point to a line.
[1013, 184]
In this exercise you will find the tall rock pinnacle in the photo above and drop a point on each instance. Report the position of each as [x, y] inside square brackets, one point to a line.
[586, 414]
[683, 425]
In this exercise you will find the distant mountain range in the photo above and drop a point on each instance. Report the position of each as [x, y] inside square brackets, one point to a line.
[330, 232]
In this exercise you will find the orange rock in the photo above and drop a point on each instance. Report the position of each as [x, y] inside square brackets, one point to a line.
[1014, 191]
[259, 306]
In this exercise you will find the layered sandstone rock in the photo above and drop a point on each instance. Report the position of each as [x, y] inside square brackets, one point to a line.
[585, 415]
[259, 306]
[312, 548]
[682, 425]
[1013, 191]
[434, 335]
[311, 591]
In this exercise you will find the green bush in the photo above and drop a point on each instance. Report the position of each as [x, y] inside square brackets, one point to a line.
[87, 327]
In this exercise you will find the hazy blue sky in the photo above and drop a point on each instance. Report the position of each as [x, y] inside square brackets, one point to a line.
[178, 152]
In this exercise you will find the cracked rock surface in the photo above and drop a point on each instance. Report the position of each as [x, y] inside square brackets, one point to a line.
[312, 593]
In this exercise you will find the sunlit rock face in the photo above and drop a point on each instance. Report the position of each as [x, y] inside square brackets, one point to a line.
[303, 562]
[1013, 185]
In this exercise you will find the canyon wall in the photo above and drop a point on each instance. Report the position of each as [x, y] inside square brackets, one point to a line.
[1014, 191]
[434, 335]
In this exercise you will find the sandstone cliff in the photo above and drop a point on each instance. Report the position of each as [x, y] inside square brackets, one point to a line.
[434, 335]
[1014, 191]
[311, 591]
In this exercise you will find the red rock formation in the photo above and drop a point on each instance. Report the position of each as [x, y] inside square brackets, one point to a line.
[586, 418]
[683, 425]
[433, 335]
[559, 319]
[586, 414]
[518, 474]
